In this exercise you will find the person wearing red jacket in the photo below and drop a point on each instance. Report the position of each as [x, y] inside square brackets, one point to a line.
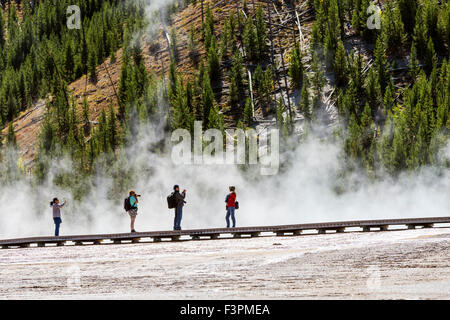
[231, 205]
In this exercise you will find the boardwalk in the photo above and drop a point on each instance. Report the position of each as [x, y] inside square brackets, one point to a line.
[198, 234]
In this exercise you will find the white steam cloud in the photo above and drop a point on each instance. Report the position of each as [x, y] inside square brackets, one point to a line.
[305, 192]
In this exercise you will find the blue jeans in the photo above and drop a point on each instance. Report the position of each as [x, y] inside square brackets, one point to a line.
[230, 212]
[178, 216]
[58, 222]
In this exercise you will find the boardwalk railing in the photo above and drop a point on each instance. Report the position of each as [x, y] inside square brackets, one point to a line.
[197, 234]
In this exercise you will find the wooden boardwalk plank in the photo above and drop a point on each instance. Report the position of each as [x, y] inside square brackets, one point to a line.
[196, 234]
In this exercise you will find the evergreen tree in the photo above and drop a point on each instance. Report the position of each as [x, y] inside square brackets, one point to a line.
[317, 79]
[213, 61]
[85, 116]
[2, 32]
[408, 9]
[215, 119]
[248, 112]
[207, 99]
[305, 106]
[192, 41]
[112, 128]
[92, 65]
[413, 62]
[69, 63]
[261, 31]
[296, 68]
[373, 90]
[392, 28]
[124, 84]
[380, 64]
[333, 31]
[174, 44]
[420, 34]
[340, 64]
[430, 57]
[251, 41]
[11, 140]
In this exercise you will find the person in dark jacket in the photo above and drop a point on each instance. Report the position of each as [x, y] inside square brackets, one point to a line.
[56, 207]
[179, 198]
[231, 206]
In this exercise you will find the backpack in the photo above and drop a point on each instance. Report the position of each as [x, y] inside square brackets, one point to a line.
[171, 201]
[126, 204]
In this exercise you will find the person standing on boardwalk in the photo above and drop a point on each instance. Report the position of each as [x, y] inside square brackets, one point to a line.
[230, 207]
[131, 206]
[57, 214]
[179, 199]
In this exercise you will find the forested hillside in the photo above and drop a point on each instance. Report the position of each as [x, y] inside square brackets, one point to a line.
[301, 64]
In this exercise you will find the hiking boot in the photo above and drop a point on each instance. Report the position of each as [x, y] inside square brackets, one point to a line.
[133, 231]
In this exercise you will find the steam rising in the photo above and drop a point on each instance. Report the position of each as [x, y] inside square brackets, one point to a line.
[304, 192]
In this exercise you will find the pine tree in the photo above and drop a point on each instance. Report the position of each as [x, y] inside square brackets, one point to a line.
[85, 115]
[392, 28]
[264, 87]
[430, 57]
[317, 79]
[112, 128]
[340, 64]
[182, 114]
[305, 106]
[174, 44]
[251, 41]
[373, 90]
[213, 61]
[124, 84]
[248, 112]
[92, 65]
[408, 9]
[413, 62]
[227, 40]
[389, 99]
[207, 99]
[102, 133]
[209, 18]
[261, 31]
[296, 68]
[192, 42]
[420, 34]
[69, 63]
[11, 140]
[352, 144]
[333, 32]
[443, 27]
[234, 95]
[380, 63]
[2, 32]
[236, 73]
[215, 119]
[319, 25]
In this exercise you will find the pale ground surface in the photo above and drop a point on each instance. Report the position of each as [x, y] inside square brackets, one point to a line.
[406, 264]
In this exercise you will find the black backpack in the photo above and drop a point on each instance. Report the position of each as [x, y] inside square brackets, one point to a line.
[126, 204]
[171, 201]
